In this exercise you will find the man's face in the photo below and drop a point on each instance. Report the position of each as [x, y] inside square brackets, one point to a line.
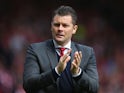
[62, 29]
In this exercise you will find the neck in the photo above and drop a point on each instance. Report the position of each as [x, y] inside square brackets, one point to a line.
[67, 45]
[62, 43]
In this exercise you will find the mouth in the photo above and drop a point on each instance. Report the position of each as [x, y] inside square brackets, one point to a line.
[59, 35]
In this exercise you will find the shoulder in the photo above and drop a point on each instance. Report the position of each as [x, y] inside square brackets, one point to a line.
[40, 45]
[84, 48]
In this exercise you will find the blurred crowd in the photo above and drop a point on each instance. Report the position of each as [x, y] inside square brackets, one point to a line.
[25, 25]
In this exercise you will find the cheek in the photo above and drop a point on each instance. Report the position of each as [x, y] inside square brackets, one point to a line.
[53, 33]
[53, 30]
[69, 34]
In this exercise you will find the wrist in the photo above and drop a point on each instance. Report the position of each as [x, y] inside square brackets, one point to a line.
[58, 70]
[76, 71]
[79, 73]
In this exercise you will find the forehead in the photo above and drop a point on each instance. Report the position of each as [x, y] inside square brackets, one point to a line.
[66, 18]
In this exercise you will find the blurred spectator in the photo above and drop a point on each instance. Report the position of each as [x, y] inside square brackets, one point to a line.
[6, 78]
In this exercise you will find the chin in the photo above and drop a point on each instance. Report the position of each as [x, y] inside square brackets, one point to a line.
[59, 41]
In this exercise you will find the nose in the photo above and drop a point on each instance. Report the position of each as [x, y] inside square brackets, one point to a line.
[60, 27]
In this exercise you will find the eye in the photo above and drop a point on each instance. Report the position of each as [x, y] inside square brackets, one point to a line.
[65, 25]
[56, 24]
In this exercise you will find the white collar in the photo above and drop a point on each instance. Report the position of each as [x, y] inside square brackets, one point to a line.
[68, 45]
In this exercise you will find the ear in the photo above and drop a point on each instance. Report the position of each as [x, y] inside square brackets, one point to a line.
[75, 29]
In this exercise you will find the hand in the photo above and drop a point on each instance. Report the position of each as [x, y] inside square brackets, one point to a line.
[76, 63]
[63, 62]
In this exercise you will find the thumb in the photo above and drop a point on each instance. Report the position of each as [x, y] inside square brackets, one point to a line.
[67, 59]
[73, 64]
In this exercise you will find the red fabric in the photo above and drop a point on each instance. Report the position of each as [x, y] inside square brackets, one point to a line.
[62, 51]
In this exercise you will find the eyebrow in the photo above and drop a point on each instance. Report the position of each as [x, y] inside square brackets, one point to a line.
[58, 24]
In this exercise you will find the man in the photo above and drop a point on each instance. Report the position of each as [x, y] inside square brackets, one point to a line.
[60, 65]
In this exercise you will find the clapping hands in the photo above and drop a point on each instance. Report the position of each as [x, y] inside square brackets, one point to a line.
[75, 63]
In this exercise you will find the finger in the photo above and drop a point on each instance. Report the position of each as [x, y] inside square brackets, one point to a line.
[67, 54]
[77, 62]
[74, 65]
[77, 58]
[80, 54]
[63, 58]
[67, 59]
[69, 51]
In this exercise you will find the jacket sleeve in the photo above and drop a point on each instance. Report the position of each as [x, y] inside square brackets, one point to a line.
[33, 77]
[88, 80]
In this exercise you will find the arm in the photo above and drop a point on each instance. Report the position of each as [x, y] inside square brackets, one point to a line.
[88, 80]
[34, 78]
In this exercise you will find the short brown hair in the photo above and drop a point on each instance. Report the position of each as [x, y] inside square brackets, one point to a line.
[66, 10]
